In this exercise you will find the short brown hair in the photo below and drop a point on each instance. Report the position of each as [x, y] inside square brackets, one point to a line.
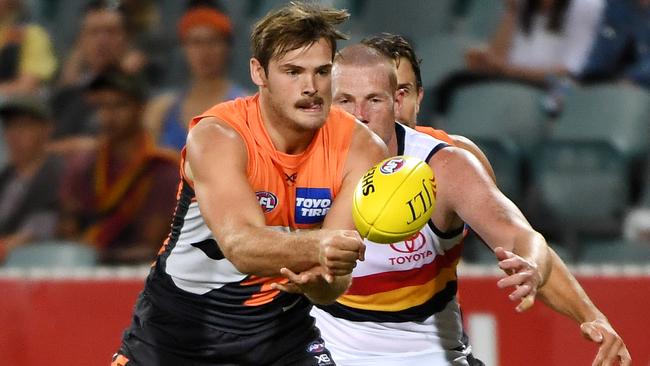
[396, 46]
[294, 26]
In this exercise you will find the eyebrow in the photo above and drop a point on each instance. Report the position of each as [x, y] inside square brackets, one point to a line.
[404, 85]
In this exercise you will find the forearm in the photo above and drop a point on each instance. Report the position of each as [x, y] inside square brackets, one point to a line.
[264, 251]
[327, 293]
[563, 293]
[532, 246]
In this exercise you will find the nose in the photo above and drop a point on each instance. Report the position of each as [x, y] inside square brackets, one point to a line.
[360, 112]
[309, 88]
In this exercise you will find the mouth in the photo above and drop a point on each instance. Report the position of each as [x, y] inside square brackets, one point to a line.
[310, 106]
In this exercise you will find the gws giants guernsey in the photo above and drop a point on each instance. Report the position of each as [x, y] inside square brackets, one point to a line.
[193, 279]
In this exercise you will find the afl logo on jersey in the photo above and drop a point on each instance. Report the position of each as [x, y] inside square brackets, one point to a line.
[391, 166]
[267, 200]
[410, 245]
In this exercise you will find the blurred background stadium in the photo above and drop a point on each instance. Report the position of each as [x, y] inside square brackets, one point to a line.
[568, 137]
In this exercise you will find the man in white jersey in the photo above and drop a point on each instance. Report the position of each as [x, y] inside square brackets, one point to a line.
[401, 308]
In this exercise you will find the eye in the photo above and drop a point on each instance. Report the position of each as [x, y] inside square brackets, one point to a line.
[342, 101]
[292, 72]
[323, 72]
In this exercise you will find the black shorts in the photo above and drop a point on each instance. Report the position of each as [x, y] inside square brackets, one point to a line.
[157, 338]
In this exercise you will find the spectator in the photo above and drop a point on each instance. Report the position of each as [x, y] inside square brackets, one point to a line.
[103, 44]
[536, 41]
[28, 184]
[622, 47]
[120, 196]
[27, 61]
[206, 35]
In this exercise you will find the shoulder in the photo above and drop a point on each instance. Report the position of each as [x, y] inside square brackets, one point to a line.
[367, 143]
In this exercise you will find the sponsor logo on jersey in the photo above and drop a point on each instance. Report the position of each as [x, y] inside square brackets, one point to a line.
[316, 347]
[268, 201]
[324, 360]
[312, 204]
[412, 250]
[391, 166]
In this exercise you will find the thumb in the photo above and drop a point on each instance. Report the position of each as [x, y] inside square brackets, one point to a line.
[590, 332]
[501, 253]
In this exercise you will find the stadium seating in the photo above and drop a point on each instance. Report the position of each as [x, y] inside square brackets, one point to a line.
[582, 174]
[503, 119]
[617, 251]
[52, 254]
[482, 18]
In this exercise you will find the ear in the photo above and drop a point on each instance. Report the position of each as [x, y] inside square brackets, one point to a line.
[258, 75]
[399, 100]
[420, 97]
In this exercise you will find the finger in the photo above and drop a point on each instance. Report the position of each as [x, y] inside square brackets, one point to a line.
[590, 332]
[514, 279]
[502, 254]
[603, 351]
[348, 256]
[286, 288]
[287, 273]
[514, 263]
[362, 252]
[612, 355]
[521, 292]
[624, 356]
[526, 303]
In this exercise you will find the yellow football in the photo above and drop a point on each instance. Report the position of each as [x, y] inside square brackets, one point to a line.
[394, 199]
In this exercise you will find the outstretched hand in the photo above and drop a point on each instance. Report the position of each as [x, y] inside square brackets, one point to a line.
[612, 350]
[303, 282]
[522, 274]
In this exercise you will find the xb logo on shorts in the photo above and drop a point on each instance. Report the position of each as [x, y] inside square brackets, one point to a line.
[410, 245]
[312, 204]
[268, 201]
[391, 166]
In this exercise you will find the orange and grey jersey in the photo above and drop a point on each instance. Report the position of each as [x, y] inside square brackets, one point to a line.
[193, 279]
[406, 289]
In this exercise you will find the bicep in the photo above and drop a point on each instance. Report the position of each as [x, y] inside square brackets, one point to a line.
[217, 158]
[465, 189]
[365, 151]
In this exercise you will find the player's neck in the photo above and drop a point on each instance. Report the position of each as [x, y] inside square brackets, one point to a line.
[392, 144]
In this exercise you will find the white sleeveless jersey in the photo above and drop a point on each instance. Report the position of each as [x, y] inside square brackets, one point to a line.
[401, 307]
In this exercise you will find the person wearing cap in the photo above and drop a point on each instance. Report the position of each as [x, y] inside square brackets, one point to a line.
[206, 36]
[30, 179]
[118, 197]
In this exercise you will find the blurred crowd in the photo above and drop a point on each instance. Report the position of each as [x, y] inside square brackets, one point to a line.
[93, 123]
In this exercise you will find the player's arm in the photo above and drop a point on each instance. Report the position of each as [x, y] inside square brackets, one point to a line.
[366, 150]
[563, 293]
[469, 145]
[466, 190]
[216, 163]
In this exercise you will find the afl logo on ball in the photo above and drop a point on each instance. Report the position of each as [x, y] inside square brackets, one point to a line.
[392, 165]
[267, 200]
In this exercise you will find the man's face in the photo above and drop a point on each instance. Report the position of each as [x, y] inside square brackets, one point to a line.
[206, 50]
[103, 39]
[366, 92]
[25, 137]
[118, 113]
[407, 83]
[298, 86]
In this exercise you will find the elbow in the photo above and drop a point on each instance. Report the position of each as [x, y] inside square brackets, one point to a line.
[235, 253]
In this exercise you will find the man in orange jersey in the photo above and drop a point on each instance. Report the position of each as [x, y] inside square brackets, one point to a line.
[401, 307]
[255, 171]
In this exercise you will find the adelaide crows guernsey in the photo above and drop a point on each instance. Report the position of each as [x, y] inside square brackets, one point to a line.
[402, 300]
[193, 279]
